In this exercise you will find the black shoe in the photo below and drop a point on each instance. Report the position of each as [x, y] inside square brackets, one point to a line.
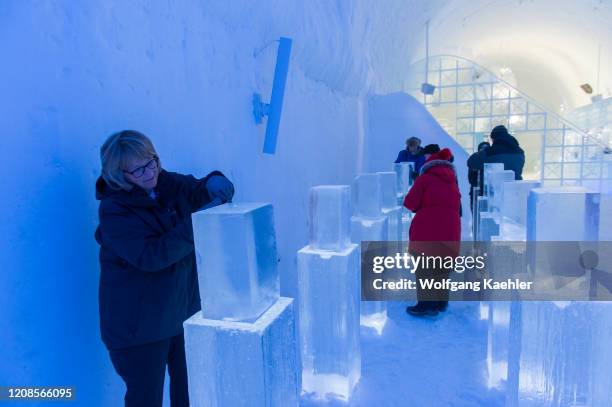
[442, 306]
[421, 311]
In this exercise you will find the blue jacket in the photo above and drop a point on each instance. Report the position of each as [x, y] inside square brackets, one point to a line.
[148, 279]
[405, 156]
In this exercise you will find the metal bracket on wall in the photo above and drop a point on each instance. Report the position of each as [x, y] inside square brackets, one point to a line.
[274, 109]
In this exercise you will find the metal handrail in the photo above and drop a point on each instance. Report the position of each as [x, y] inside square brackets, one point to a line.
[528, 98]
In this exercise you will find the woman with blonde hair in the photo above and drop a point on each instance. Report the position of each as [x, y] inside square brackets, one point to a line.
[148, 280]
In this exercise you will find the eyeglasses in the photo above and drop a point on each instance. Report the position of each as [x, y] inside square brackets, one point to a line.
[139, 172]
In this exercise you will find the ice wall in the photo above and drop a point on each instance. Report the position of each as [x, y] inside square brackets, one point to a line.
[392, 119]
[183, 73]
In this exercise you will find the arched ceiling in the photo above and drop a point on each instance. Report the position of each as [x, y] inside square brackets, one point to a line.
[551, 46]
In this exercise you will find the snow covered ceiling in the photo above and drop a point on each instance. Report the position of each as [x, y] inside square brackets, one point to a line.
[551, 46]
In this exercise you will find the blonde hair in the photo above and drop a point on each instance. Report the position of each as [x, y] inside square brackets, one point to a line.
[117, 150]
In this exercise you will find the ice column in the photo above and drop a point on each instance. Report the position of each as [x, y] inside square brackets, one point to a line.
[494, 187]
[558, 351]
[329, 293]
[404, 182]
[389, 205]
[559, 354]
[562, 213]
[485, 219]
[369, 224]
[497, 342]
[241, 348]
[605, 217]
[491, 221]
[514, 209]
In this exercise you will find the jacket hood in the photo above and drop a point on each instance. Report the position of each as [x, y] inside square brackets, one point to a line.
[442, 169]
[508, 141]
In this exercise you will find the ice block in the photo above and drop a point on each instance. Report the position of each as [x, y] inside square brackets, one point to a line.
[404, 182]
[329, 293]
[329, 221]
[390, 209]
[498, 335]
[388, 187]
[236, 260]
[495, 184]
[562, 214]
[367, 195]
[514, 199]
[373, 313]
[605, 217]
[486, 170]
[489, 226]
[243, 364]
[559, 354]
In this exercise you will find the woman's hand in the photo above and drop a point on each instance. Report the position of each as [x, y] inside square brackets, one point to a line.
[220, 187]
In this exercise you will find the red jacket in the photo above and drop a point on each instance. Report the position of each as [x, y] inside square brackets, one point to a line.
[435, 198]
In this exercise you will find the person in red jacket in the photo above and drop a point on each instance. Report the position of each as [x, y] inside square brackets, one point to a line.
[436, 227]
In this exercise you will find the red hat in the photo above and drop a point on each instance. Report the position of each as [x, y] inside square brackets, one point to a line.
[444, 154]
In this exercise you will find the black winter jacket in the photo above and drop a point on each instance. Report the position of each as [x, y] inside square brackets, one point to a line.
[506, 150]
[148, 279]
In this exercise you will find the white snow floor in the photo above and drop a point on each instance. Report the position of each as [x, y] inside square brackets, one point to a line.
[423, 362]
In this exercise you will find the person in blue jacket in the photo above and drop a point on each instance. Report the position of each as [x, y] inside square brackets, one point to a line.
[413, 153]
[148, 279]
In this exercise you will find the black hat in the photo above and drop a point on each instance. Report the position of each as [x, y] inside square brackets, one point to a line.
[483, 144]
[431, 149]
[499, 131]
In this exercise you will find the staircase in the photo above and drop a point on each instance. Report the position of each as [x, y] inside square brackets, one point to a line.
[469, 101]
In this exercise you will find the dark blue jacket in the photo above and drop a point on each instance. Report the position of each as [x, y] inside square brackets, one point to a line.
[405, 156]
[148, 279]
[506, 150]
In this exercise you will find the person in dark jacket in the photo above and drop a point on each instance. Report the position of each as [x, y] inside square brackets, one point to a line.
[412, 154]
[435, 229]
[505, 149]
[473, 175]
[148, 279]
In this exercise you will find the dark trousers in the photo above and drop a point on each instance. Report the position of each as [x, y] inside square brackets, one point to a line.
[435, 299]
[143, 369]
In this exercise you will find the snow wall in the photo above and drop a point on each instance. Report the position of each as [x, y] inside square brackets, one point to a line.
[394, 117]
[182, 73]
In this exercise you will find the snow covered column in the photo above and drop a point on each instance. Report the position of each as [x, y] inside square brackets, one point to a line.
[241, 348]
[369, 224]
[329, 297]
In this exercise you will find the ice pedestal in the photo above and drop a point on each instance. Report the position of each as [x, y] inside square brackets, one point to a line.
[605, 217]
[498, 334]
[486, 170]
[514, 200]
[329, 293]
[241, 348]
[489, 226]
[406, 220]
[562, 214]
[236, 259]
[369, 224]
[389, 206]
[367, 195]
[559, 354]
[404, 181]
[243, 364]
[494, 188]
[514, 209]
[489, 218]
[329, 220]
[329, 298]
